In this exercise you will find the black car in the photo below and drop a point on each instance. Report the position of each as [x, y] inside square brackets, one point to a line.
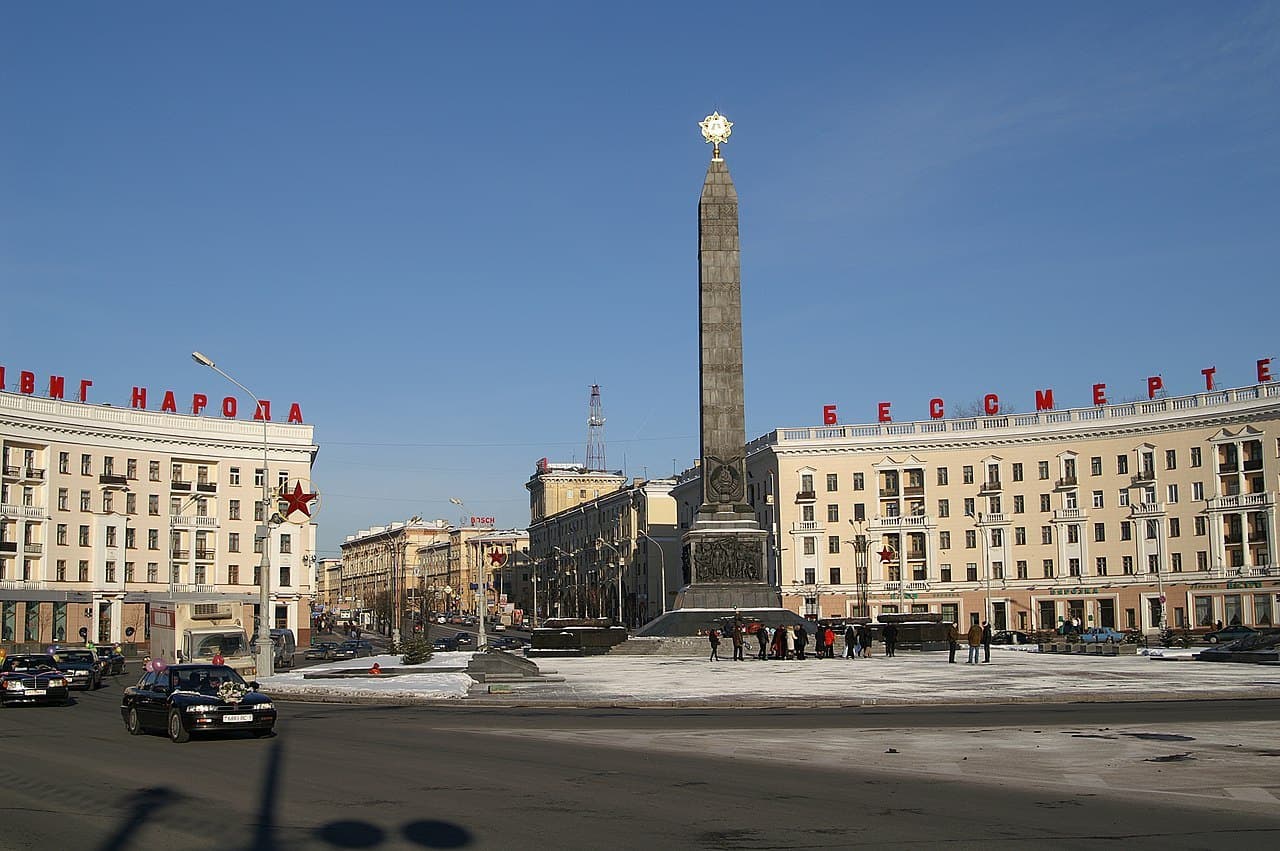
[32, 678]
[81, 666]
[445, 643]
[464, 639]
[1010, 636]
[323, 650]
[1228, 634]
[190, 699]
[112, 660]
[353, 649]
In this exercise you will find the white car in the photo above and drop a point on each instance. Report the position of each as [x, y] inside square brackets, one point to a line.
[498, 627]
[441, 619]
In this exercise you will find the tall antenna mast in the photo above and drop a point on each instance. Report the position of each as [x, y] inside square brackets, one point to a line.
[595, 431]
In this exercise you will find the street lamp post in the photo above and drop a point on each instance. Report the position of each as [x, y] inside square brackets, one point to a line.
[986, 562]
[662, 561]
[601, 542]
[266, 655]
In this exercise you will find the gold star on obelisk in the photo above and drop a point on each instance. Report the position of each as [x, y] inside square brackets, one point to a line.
[716, 129]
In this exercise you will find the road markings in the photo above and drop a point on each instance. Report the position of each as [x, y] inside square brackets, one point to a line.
[1251, 793]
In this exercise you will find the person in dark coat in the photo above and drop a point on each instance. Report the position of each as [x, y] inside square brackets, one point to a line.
[986, 642]
[890, 638]
[850, 642]
[802, 639]
[864, 640]
[737, 642]
[780, 643]
[714, 638]
[762, 636]
[953, 642]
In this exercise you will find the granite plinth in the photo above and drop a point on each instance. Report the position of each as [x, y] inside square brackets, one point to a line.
[695, 621]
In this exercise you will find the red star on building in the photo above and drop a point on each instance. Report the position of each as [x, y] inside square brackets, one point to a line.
[886, 555]
[297, 500]
[498, 558]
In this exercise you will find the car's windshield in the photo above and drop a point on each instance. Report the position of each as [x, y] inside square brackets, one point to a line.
[206, 679]
[75, 656]
[226, 643]
[28, 663]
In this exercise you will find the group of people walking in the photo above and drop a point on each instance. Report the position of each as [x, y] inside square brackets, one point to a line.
[978, 637]
[790, 641]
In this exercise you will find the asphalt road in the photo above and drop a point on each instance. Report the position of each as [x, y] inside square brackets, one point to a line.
[458, 777]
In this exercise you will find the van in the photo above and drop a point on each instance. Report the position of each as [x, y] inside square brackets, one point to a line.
[285, 647]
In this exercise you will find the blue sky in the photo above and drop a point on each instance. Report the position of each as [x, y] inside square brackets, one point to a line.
[435, 225]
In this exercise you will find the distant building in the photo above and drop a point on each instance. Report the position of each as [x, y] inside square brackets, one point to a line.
[378, 575]
[556, 487]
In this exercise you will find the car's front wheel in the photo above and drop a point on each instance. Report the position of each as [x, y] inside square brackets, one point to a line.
[132, 722]
[1111, 641]
[177, 730]
[1213, 639]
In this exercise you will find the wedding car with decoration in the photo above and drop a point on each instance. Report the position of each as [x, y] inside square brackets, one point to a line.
[32, 678]
[183, 700]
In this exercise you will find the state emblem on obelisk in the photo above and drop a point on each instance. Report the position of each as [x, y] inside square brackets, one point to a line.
[716, 129]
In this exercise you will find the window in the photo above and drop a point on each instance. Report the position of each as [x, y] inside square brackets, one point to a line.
[111, 536]
[153, 539]
[1095, 465]
[1126, 530]
[806, 514]
[62, 499]
[86, 465]
[810, 548]
[944, 508]
[1020, 568]
[1044, 502]
[971, 572]
[997, 538]
[859, 511]
[1122, 499]
[944, 573]
[111, 571]
[175, 473]
[1175, 562]
[997, 570]
[1019, 536]
[175, 505]
[1153, 529]
[1122, 465]
[153, 572]
[257, 511]
[1017, 471]
[970, 539]
[153, 471]
[233, 509]
[1153, 563]
[82, 569]
[833, 544]
[969, 507]
[108, 465]
[259, 476]
[1170, 459]
[233, 475]
[108, 502]
[62, 534]
[84, 536]
[994, 505]
[64, 462]
[1099, 532]
[1073, 536]
[966, 473]
[1048, 568]
[859, 482]
[283, 479]
[84, 501]
[1195, 456]
[1043, 468]
[1073, 567]
[944, 540]
[1046, 534]
[1019, 504]
[233, 574]
[153, 505]
[833, 482]
[60, 571]
[131, 503]
[942, 475]
[1070, 499]
[1175, 527]
[833, 513]
[1172, 494]
[1126, 564]
[1097, 500]
[1100, 564]
[833, 576]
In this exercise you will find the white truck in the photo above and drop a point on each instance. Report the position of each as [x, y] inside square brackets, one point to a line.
[196, 632]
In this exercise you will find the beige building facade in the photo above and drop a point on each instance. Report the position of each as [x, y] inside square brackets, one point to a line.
[379, 576]
[1127, 515]
[104, 510]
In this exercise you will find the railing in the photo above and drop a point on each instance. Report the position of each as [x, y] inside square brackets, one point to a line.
[11, 472]
[8, 546]
[1252, 464]
[990, 485]
[33, 473]
[113, 479]
[1229, 538]
[24, 512]
[207, 487]
[987, 519]
[805, 496]
[199, 522]
[913, 520]
[1067, 482]
[1242, 500]
[913, 490]
[24, 584]
[204, 555]
[1069, 514]
[806, 526]
[191, 588]
[1228, 467]
[1147, 509]
[179, 485]
[915, 555]
[1143, 477]
[33, 548]
[181, 554]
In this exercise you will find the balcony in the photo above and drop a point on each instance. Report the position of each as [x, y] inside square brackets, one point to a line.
[806, 526]
[23, 585]
[113, 480]
[889, 492]
[990, 486]
[11, 472]
[806, 496]
[204, 555]
[1067, 482]
[180, 485]
[917, 521]
[1238, 501]
[1252, 465]
[1228, 467]
[32, 474]
[1069, 514]
[1233, 538]
[24, 512]
[206, 487]
[191, 588]
[181, 554]
[178, 521]
[1145, 477]
[33, 549]
[992, 519]
[913, 490]
[1147, 509]
[8, 546]
[915, 555]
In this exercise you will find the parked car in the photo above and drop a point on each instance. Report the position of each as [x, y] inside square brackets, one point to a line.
[506, 642]
[445, 643]
[441, 619]
[1010, 636]
[81, 666]
[1101, 635]
[285, 646]
[354, 649]
[112, 659]
[1229, 633]
[464, 639]
[323, 650]
[187, 699]
[32, 678]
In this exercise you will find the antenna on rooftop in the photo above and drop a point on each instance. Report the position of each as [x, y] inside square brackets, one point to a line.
[595, 431]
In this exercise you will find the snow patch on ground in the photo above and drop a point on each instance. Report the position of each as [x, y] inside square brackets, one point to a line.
[427, 682]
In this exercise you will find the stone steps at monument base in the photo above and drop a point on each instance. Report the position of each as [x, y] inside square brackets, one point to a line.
[671, 646]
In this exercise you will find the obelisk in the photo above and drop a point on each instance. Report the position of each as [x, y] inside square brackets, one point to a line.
[725, 544]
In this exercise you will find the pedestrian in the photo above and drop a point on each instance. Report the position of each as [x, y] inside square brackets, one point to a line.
[788, 641]
[762, 636]
[737, 642]
[986, 641]
[850, 642]
[829, 639]
[953, 642]
[802, 639]
[975, 641]
[777, 648]
[714, 637]
[864, 640]
[890, 638]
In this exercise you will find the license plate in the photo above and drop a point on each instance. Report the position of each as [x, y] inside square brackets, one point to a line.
[234, 719]
[35, 691]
